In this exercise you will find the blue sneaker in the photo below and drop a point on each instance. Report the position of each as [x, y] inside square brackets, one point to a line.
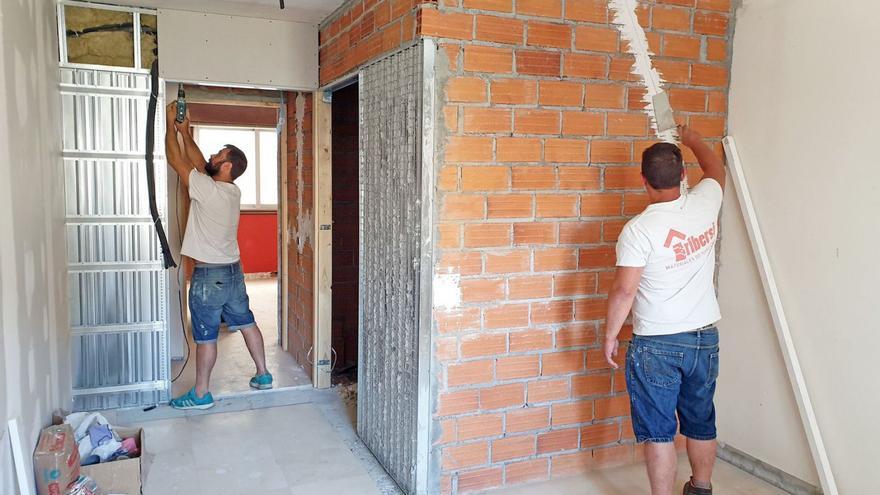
[189, 400]
[262, 382]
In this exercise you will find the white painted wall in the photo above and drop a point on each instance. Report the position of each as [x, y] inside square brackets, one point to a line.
[229, 50]
[804, 112]
[34, 348]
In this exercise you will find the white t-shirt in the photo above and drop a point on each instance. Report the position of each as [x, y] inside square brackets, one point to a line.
[212, 229]
[675, 243]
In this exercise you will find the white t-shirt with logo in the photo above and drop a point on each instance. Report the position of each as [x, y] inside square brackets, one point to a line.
[675, 243]
[212, 228]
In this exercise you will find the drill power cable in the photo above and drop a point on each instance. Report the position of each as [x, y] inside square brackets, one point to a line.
[150, 168]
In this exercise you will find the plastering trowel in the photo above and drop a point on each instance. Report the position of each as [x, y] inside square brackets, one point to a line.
[663, 112]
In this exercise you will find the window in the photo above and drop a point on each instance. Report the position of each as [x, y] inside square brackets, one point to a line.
[259, 183]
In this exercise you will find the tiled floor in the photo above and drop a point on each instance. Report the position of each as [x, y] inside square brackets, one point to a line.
[633, 480]
[234, 365]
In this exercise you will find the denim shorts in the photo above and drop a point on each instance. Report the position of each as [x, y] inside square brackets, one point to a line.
[669, 374]
[218, 291]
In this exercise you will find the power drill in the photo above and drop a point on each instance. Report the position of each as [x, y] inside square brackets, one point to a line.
[181, 104]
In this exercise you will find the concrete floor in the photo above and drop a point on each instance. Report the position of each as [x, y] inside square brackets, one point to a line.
[633, 480]
[234, 366]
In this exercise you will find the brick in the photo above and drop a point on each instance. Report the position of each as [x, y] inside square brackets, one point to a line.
[511, 368]
[556, 206]
[470, 373]
[590, 309]
[623, 178]
[546, 34]
[571, 464]
[620, 68]
[502, 396]
[463, 207]
[479, 426]
[548, 260]
[508, 262]
[486, 235]
[576, 334]
[446, 24]
[560, 363]
[465, 401]
[485, 178]
[526, 471]
[565, 150]
[605, 280]
[486, 120]
[538, 63]
[453, 321]
[466, 89]
[580, 232]
[635, 99]
[583, 123]
[527, 419]
[610, 151]
[596, 39]
[585, 66]
[494, 5]
[710, 23]
[464, 456]
[478, 58]
[680, 46]
[510, 206]
[448, 180]
[618, 382]
[499, 30]
[587, 10]
[720, 5]
[601, 205]
[626, 430]
[599, 434]
[534, 233]
[596, 359]
[469, 149]
[399, 7]
[530, 340]
[613, 456]
[627, 124]
[612, 407]
[448, 432]
[483, 345]
[529, 287]
[574, 284]
[560, 93]
[571, 413]
[671, 18]
[709, 75]
[604, 96]
[548, 390]
[687, 100]
[507, 316]
[480, 479]
[590, 385]
[516, 149]
[462, 262]
[514, 91]
[558, 441]
[446, 349]
[708, 126]
[717, 101]
[716, 49]
[450, 118]
[611, 230]
[509, 448]
[539, 8]
[531, 178]
[579, 178]
[536, 121]
[480, 290]
[451, 50]
[633, 203]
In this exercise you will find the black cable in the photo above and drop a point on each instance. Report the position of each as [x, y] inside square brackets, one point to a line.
[179, 285]
[150, 168]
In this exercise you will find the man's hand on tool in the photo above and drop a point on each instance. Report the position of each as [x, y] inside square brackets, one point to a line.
[689, 137]
[170, 115]
[611, 347]
[182, 127]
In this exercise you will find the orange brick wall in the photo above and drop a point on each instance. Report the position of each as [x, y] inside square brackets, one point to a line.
[544, 131]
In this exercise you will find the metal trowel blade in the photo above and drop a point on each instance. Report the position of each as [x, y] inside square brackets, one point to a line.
[663, 112]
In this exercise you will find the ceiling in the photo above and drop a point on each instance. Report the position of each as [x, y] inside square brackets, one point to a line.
[310, 11]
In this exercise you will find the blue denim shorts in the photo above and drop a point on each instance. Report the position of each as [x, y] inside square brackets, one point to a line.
[669, 374]
[218, 291]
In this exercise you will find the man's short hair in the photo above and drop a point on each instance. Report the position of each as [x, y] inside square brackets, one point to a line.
[662, 166]
[238, 160]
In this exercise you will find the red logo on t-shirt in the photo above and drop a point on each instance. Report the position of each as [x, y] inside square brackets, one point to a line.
[689, 245]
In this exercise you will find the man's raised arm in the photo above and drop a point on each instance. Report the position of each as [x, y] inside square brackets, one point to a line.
[173, 154]
[711, 163]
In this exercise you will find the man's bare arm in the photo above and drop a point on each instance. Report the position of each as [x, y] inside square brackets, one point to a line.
[190, 148]
[620, 302]
[711, 163]
[173, 154]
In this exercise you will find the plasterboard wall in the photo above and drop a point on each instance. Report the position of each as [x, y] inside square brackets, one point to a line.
[804, 115]
[229, 50]
[34, 337]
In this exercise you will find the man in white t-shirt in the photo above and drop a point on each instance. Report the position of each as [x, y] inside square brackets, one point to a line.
[665, 274]
[217, 290]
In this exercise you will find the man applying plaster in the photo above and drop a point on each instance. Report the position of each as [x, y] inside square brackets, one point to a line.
[665, 274]
[217, 288]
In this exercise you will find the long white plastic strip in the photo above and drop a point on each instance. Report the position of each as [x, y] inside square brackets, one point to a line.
[798, 384]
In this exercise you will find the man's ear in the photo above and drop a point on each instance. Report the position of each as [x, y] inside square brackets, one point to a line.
[644, 180]
[226, 167]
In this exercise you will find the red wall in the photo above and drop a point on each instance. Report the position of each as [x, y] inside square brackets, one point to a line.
[258, 242]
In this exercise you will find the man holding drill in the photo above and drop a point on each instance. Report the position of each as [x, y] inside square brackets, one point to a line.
[665, 274]
[217, 288]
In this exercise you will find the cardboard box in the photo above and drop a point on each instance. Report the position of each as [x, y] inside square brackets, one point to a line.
[123, 477]
[56, 460]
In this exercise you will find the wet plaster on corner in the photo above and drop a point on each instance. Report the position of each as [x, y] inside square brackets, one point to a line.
[303, 232]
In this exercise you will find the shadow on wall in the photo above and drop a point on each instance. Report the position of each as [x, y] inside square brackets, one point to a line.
[33, 299]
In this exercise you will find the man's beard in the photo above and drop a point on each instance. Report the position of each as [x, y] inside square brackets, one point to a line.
[211, 169]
